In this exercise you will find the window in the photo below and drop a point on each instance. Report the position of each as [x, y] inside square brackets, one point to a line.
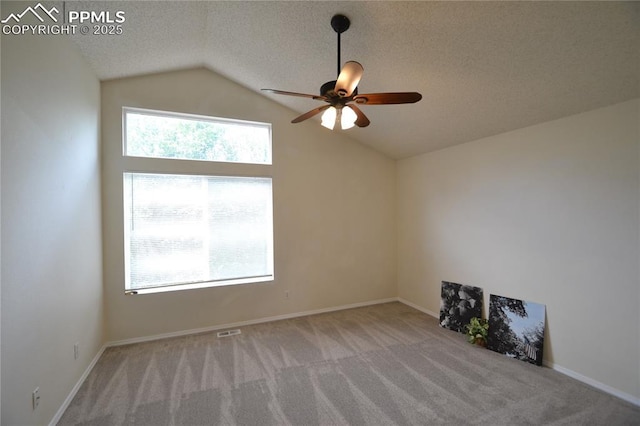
[180, 136]
[185, 230]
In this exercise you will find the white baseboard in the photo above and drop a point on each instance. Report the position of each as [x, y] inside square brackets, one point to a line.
[245, 323]
[420, 308]
[594, 383]
[76, 388]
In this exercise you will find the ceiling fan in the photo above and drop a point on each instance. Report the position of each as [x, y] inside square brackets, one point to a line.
[342, 96]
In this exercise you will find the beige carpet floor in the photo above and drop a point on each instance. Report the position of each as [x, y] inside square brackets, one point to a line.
[379, 365]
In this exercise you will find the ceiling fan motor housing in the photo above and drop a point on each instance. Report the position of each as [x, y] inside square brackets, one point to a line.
[328, 90]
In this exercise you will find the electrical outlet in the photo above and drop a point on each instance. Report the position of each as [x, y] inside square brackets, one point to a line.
[76, 351]
[35, 398]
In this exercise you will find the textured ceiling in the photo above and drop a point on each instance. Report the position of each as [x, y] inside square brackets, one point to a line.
[483, 68]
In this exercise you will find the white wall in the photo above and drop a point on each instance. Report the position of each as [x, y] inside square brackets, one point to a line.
[548, 214]
[51, 232]
[334, 213]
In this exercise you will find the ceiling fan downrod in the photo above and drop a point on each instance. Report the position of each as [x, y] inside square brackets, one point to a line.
[340, 24]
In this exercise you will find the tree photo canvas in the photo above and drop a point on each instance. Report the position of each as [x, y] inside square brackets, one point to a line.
[459, 303]
[516, 328]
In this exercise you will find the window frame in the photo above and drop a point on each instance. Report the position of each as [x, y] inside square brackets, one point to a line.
[175, 166]
[192, 117]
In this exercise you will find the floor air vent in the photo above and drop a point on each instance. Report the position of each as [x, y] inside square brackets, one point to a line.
[228, 333]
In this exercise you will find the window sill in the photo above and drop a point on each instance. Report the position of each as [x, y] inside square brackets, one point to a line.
[193, 286]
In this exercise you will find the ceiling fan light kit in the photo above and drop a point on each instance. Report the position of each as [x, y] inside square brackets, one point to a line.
[341, 94]
[345, 116]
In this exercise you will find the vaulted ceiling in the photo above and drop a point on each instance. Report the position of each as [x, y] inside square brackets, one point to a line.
[483, 68]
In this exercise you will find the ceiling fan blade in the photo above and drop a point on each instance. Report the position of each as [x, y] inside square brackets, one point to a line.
[302, 95]
[349, 78]
[388, 98]
[310, 114]
[362, 120]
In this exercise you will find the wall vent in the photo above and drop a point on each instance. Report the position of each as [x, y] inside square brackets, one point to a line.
[228, 333]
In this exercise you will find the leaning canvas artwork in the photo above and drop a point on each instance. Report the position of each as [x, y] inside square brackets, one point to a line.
[516, 328]
[458, 304]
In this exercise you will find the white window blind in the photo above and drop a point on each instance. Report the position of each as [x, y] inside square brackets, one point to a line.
[186, 229]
